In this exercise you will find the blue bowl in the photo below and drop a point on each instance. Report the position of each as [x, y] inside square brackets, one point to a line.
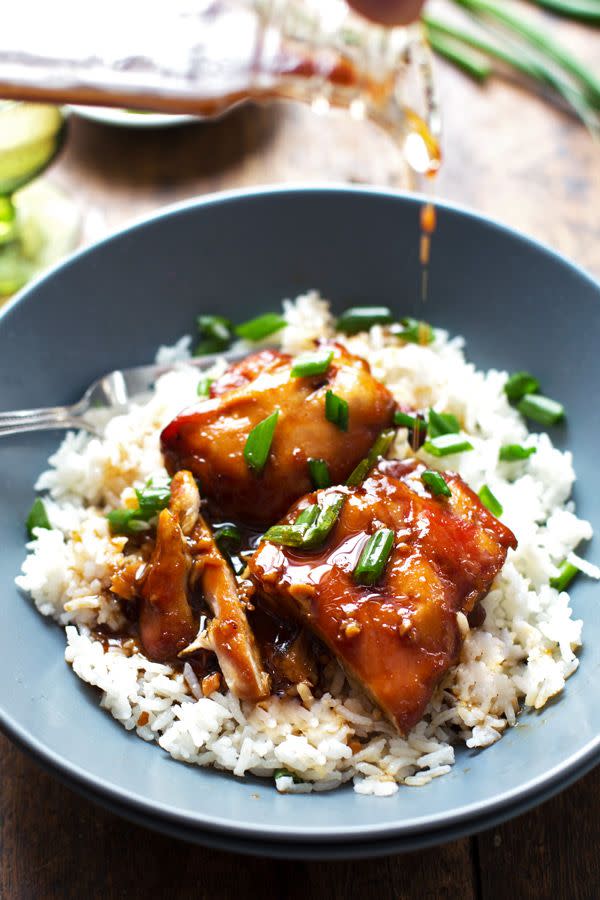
[518, 304]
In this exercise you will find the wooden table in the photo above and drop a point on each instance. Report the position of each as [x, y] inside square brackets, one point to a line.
[508, 155]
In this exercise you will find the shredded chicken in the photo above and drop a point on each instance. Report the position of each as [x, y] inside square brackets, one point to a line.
[166, 619]
[228, 633]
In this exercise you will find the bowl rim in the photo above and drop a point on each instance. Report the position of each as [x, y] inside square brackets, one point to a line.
[481, 813]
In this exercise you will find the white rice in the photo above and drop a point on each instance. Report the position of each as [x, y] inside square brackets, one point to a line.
[520, 657]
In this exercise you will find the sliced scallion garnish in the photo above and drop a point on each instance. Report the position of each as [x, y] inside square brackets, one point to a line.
[490, 501]
[309, 364]
[414, 331]
[216, 334]
[261, 327]
[541, 409]
[442, 423]
[447, 444]
[436, 483]
[404, 420]
[519, 384]
[337, 410]
[308, 516]
[152, 498]
[228, 536]
[285, 773]
[362, 318]
[204, 385]
[319, 473]
[38, 517]
[417, 427]
[258, 442]
[513, 452]
[374, 557]
[377, 451]
[312, 526]
[329, 511]
[126, 521]
[566, 573]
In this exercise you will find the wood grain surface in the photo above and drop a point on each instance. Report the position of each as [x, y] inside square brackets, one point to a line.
[508, 155]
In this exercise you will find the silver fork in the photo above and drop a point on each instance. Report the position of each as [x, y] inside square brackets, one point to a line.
[111, 392]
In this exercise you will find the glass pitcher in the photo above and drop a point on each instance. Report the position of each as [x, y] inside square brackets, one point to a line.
[205, 56]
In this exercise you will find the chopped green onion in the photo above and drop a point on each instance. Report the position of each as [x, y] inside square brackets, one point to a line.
[319, 473]
[216, 334]
[285, 535]
[285, 773]
[258, 443]
[312, 364]
[358, 473]
[311, 527]
[519, 384]
[228, 535]
[126, 521]
[541, 409]
[436, 483]
[328, 515]
[337, 410]
[417, 427]
[566, 573]
[151, 499]
[374, 557]
[490, 501]
[308, 516]
[204, 385]
[381, 446]
[442, 423]
[446, 444]
[404, 420]
[37, 518]
[377, 451]
[261, 327]
[513, 452]
[362, 318]
[414, 331]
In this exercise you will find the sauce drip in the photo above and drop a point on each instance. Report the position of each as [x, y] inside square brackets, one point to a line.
[428, 221]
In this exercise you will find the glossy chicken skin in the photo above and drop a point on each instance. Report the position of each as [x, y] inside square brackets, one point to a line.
[398, 637]
[166, 619]
[209, 438]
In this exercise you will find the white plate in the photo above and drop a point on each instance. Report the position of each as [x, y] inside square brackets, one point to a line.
[126, 119]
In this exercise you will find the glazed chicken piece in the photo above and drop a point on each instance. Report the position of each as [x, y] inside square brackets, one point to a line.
[186, 558]
[228, 633]
[209, 438]
[166, 619]
[398, 637]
